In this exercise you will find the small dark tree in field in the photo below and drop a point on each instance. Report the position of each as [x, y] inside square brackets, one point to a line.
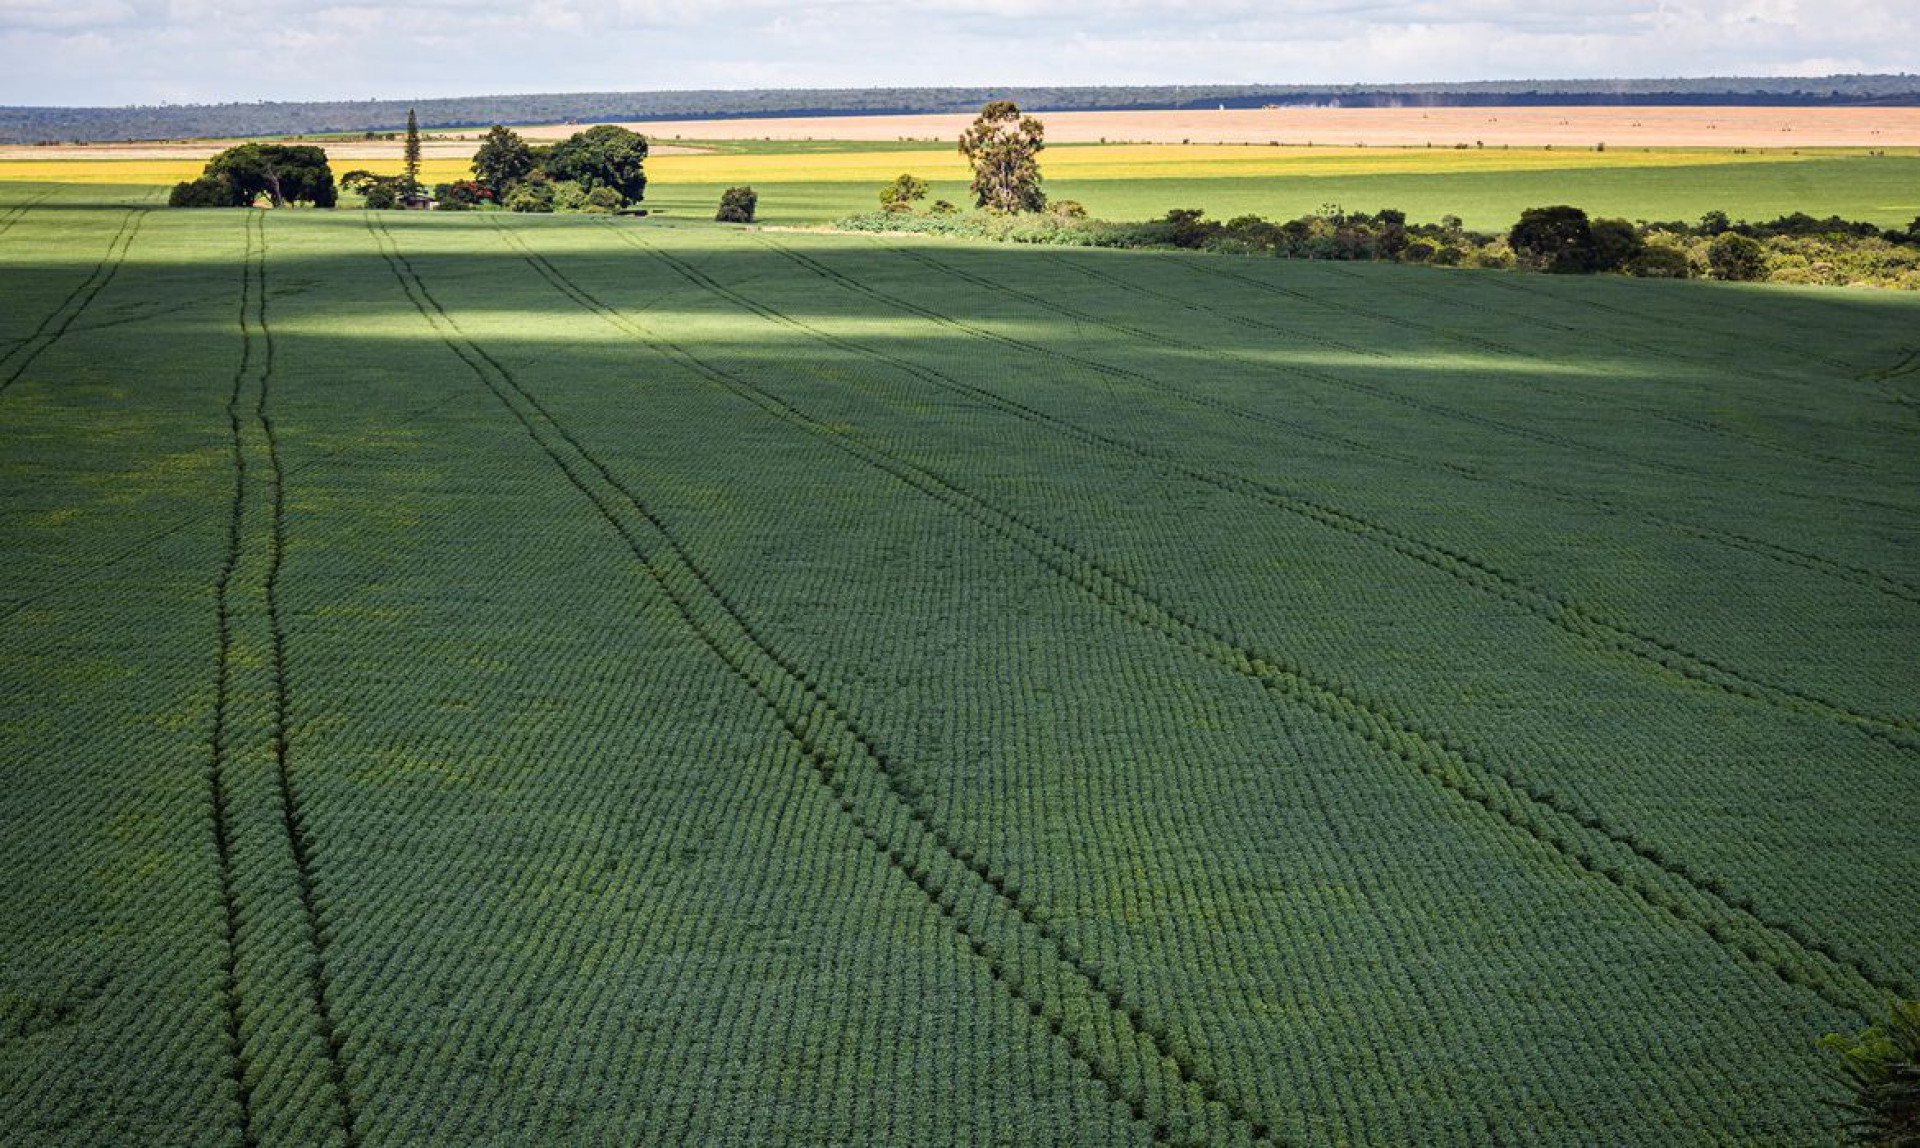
[504, 159]
[902, 192]
[1004, 148]
[737, 205]
[203, 192]
[1737, 257]
[283, 173]
[410, 180]
[1615, 244]
[1557, 239]
[1881, 1068]
[606, 155]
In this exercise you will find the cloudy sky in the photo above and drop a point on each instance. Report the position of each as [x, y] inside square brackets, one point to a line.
[154, 51]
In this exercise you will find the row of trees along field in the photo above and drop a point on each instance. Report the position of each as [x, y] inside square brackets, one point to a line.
[602, 170]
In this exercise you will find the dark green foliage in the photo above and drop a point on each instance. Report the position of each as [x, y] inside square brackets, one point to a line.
[283, 173]
[1554, 239]
[1004, 148]
[377, 192]
[534, 196]
[602, 201]
[901, 194]
[606, 155]
[503, 160]
[568, 195]
[737, 205]
[410, 158]
[1881, 1070]
[1616, 243]
[1736, 257]
[462, 195]
[207, 191]
[1659, 261]
[1187, 228]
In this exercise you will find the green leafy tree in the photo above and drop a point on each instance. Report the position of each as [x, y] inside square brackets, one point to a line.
[1736, 257]
[376, 192]
[504, 159]
[1557, 239]
[1881, 1068]
[737, 205]
[1615, 244]
[203, 192]
[410, 179]
[281, 172]
[1660, 261]
[603, 156]
[1004, 148]
[902, 192]
[602, 201]
[534, 196]
[462, 195]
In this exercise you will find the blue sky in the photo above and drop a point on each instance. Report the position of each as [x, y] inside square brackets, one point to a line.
[153, 51]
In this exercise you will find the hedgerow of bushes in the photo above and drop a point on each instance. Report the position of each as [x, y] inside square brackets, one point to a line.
[1792, 249]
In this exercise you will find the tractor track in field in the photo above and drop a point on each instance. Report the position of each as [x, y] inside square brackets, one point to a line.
[19, 211]
[1556, 609]
[1886, 378]
[1731, 921]
[1705, 426]
[217, 772]
[831, 742]
[1532, 433]
[57, 322]
[233, 598]
[1774, 345]
[1858, 575]
[1546, 797]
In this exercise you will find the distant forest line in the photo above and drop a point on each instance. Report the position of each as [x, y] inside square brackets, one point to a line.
[88, 125]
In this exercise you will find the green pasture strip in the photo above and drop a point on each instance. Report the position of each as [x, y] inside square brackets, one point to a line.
[1878, 189]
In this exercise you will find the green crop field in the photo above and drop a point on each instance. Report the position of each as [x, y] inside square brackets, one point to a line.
[507, 680]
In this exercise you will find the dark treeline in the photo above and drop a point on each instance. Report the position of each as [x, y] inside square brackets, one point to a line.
[42, 125]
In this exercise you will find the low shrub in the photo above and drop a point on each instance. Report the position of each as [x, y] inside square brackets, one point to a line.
[737, 205]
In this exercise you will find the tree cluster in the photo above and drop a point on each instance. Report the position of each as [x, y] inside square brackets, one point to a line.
[240, 176]
[601, 169]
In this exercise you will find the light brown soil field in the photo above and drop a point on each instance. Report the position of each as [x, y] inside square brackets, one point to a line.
[1441, 127]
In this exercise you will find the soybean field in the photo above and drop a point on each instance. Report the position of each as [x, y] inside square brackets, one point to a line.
[474, 679]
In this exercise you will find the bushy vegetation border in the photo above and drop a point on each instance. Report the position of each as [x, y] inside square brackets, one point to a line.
[1794, 248]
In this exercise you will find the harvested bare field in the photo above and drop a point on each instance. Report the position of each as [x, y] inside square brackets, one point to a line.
[1747, 127]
